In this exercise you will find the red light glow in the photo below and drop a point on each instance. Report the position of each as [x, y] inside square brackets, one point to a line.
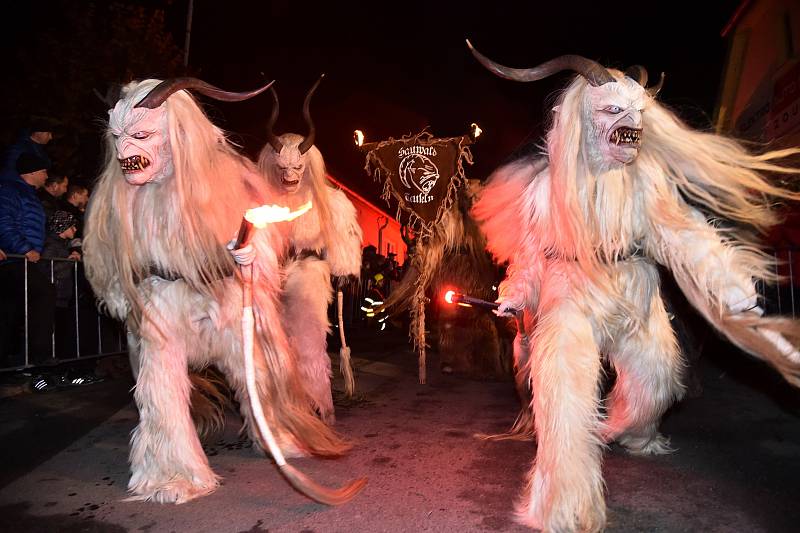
[448, 296]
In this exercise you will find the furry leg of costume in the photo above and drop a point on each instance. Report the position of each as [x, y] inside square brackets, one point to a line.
[307, 294]
[649, 368]
[565, 487]
[297, 431]
[168, 464]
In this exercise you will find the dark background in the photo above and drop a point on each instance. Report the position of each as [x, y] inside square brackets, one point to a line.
[391, 68]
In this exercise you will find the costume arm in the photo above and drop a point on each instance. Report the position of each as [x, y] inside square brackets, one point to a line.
[520, 288]
[344, 252]
[722, 270]
[114, 300]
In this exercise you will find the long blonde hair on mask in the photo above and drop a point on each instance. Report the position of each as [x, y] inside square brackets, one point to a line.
[588, 215]
[177, 225]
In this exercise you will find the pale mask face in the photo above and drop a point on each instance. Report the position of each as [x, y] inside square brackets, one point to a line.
[290, 166]
[142, 143]
[616, 115]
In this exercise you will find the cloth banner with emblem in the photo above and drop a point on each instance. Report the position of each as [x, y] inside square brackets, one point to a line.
[421, 173]
[424, 175]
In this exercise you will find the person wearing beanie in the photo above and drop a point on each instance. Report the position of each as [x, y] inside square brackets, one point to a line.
[32, 141]
[22, 217]
[22, 233]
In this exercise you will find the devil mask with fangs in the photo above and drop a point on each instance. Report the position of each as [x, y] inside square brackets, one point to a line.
[139, 129]
[291, 151]
[614, 105]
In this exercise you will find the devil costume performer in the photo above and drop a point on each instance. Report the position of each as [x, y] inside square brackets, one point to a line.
[325, 241]
[623, 185]
[171, 194]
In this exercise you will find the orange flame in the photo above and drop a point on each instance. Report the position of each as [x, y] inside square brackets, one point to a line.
[268, 214]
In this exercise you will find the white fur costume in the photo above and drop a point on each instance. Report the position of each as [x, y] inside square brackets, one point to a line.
[171, 195]
[584, 226]
[325, 241]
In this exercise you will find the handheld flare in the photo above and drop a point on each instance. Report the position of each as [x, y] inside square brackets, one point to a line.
[453, 297]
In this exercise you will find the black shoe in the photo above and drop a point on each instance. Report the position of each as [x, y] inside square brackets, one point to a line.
[82, 379]
[42, 383]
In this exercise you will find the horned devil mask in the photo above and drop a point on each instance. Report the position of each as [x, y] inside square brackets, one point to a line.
[615, 106]
[290, 159]
[140, 132]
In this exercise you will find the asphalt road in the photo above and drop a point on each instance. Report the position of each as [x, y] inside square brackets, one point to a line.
[736, 467]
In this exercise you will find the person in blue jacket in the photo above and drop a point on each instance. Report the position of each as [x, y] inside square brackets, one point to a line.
[22, 233]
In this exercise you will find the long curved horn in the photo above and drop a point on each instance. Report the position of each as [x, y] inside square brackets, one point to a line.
[273, 139]
[159, 94]
[638, 74]
[308, 142]
[655, 89]
[594, 72]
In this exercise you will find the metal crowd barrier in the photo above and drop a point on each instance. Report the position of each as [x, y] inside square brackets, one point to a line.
[782, 298]
[109, 334]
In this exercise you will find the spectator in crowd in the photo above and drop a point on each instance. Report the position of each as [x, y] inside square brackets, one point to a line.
[32, 141]
[392, 270]
[77, 197]
[51, 194]
[369, 257]
[61, 228]
[22, 224]
[22, 217]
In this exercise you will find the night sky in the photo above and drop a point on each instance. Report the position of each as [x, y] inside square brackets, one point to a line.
[394, 68]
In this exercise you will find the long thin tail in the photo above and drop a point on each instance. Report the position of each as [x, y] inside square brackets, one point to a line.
[297, 479]
[317, 492]
[210, 396]
[521, 430]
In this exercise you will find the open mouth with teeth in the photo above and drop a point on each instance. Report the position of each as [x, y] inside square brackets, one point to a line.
[626, 136]
[134, 163]
[289, 182]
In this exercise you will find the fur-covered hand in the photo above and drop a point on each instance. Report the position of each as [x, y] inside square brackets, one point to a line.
[509, 308]
[243, 256]
[737, 300]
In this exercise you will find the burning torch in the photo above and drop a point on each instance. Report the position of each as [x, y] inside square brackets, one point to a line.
[453, 297]
[266, 214]
[260, 217]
